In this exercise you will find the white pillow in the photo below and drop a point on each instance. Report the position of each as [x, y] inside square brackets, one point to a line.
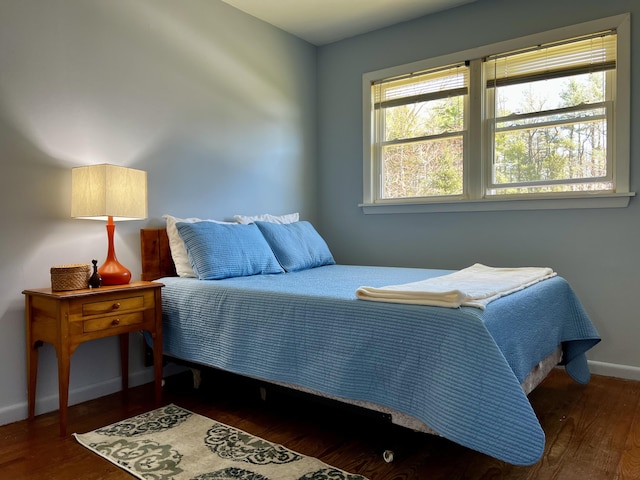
[289, 218]
[177, 246]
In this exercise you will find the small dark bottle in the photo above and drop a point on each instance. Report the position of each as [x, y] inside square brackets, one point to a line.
[95, 281]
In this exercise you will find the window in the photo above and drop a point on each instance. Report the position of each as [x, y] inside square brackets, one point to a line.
[549, 109]
[419, 123]
[544, 119]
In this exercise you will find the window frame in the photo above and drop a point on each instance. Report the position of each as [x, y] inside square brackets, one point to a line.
[477, 151]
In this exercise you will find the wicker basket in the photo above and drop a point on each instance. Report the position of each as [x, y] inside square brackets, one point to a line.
[70, 277]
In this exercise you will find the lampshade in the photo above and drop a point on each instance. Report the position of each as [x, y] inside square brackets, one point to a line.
[102, 191]
[109, 192]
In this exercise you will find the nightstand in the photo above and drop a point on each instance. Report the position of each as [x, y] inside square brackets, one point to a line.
[67, 319]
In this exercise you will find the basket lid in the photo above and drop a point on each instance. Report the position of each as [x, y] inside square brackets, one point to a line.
[70, 268]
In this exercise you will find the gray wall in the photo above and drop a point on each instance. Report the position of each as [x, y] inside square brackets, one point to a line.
[218, 107]
[596, 250]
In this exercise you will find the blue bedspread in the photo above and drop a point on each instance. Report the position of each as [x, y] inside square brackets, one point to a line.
[457, 370]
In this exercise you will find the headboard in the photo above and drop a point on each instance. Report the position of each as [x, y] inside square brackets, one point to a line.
[156, 255]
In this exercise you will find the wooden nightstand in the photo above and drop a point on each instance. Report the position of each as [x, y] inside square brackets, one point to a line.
[67, 319]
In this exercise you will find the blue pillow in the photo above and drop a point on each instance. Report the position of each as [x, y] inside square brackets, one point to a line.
[298, 246]
[219, 250]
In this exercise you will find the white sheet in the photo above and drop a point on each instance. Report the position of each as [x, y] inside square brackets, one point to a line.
[475, 286]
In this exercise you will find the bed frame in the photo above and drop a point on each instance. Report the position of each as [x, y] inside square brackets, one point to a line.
[157, 263]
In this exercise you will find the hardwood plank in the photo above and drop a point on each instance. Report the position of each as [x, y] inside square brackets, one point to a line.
[593, 432]
[629, 464]
[593, 436]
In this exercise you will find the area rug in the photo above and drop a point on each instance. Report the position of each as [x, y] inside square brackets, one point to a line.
[174, 443]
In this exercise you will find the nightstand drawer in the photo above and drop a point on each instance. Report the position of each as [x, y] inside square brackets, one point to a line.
[105, 323]
[113, 306]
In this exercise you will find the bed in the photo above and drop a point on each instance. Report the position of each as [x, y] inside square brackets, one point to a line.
[463, 373]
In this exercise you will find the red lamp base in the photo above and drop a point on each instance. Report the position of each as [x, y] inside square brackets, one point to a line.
[111, 271]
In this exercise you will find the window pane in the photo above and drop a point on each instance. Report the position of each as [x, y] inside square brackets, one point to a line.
[422, 169]
[424, 118]
[550, 94]
[551, 131]
[539, 154]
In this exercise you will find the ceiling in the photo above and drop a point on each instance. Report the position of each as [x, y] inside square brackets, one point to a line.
[325, 21]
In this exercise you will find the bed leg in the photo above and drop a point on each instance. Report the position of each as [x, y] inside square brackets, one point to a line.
[263, 394]
[197, 378]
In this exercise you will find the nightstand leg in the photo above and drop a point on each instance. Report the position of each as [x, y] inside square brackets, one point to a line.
[32, 368]
[32, 361]
[64, 364]
[124, 360]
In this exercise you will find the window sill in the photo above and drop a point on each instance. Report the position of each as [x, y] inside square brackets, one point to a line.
[614, 200]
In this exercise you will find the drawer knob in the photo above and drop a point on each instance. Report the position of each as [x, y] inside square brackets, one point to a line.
[115, 322]
[116, 305]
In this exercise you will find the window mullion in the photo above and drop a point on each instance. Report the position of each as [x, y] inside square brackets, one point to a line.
[474, 181]
[424, 138]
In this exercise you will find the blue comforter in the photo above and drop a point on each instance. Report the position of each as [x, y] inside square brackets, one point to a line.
[458, 370]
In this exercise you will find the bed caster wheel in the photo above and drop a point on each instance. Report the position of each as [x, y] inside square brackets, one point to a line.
[387, 456]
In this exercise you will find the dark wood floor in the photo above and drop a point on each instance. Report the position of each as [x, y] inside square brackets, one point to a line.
[593, 433]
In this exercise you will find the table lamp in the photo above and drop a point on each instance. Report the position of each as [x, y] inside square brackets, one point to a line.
[111, 193]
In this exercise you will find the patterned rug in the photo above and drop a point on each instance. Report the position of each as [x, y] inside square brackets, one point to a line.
[174, 443]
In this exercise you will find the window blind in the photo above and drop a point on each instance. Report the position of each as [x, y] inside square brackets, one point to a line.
[422, 86]
[587, 54]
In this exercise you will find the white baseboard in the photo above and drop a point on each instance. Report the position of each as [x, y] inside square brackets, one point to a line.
[17, 412]
[614, 370]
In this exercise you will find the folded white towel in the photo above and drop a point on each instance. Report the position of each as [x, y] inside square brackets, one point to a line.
[474, 286]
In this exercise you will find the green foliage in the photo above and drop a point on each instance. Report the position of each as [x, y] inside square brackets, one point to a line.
[425, 166]
[549, 149]
[556, 147]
